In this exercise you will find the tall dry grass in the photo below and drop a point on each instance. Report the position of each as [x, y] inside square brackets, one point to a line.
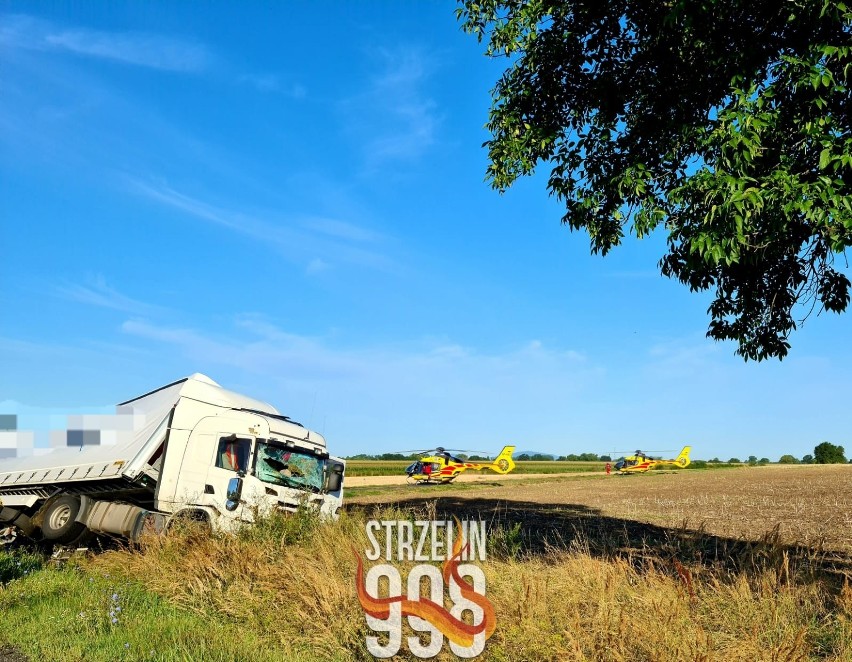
[292, 581]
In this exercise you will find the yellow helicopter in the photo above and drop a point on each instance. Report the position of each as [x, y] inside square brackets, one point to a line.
[440, 466]
[640, 462]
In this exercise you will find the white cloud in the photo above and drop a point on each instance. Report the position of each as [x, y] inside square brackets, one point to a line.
[678, 358]
[316, 266]
[393, 395]
[394, 118]
[142, 49]
[303, 241]
[273, 83]
[338, 229]
[262, 82]
[97, 292]
[419, 393]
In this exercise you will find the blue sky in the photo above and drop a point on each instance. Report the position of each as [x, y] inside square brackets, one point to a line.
[289, 198]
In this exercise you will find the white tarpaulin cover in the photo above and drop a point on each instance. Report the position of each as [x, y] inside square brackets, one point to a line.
[109, 444]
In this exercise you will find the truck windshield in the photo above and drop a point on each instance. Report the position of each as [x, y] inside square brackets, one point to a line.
[291, 468]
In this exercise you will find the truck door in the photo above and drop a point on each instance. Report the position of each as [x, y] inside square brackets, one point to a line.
[215, 450]
[231, 460]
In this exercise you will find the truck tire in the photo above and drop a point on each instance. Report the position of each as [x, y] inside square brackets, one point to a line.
[193, 523]
[57, 522]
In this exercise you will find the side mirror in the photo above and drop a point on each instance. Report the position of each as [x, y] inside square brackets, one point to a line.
[334, 477]
[235, 490]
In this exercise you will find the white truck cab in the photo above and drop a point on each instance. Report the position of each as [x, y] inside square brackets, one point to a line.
[190, 448]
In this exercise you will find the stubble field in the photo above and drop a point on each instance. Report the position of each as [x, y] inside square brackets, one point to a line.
[357, 468]
[809, 505]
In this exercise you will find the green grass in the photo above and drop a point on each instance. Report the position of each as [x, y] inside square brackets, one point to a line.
[67, 614]
[284, 590]
[438, 489]
[19, 564]
[704, 464]
[395, 467]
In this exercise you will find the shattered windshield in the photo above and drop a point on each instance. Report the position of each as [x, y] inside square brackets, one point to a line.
[285, 466]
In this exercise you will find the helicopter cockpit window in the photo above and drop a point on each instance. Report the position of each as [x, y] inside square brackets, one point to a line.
[414, 468]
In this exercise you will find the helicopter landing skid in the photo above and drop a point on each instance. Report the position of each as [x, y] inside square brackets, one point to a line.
[429, 481]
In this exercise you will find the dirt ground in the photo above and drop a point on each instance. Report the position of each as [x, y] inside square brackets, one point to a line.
[9, 654]
[467, 477]
[808, 506]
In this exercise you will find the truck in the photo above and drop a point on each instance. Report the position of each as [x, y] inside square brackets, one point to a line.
[188, 450]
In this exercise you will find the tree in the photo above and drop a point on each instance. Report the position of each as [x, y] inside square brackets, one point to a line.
[727, 122]
[393, 456]
[763, 461]
[734, 460]
[787, 459]
[752, 460]
[827, 453]
[808, 459]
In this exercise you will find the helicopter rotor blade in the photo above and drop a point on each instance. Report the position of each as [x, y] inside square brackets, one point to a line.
[441, 449]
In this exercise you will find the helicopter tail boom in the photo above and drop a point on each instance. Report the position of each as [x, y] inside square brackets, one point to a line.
[682, 460]
[503, 463]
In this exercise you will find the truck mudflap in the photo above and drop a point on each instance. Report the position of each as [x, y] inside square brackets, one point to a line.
[119, 519]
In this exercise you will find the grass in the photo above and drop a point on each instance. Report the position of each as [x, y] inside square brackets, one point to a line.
[394, 467]
[397, 467]
[810, 504]
[75, 614]
[282, 594]
[406, 490]
[606, 590]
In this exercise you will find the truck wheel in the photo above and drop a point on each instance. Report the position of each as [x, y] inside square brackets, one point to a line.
[58, 523]
[192, 522]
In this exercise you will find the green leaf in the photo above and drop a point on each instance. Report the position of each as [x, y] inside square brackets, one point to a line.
[721, 149]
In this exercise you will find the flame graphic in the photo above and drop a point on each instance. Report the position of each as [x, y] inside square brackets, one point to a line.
[456, 630]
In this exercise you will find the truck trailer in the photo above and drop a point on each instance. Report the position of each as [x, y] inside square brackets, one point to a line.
[190, 449]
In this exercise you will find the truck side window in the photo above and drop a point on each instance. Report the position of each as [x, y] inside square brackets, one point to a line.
[233, 454]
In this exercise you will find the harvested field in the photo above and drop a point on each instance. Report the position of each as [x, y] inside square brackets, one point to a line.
[466, 477]
[748, 565]
[397, 467]
[805, 511]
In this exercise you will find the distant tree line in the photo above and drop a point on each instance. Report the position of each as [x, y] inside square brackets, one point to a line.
[824, 453]
[401, 457]
[382, 456]
[586, 457]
